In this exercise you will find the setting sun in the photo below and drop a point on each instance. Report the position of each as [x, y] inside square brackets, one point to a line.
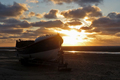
[73, 37]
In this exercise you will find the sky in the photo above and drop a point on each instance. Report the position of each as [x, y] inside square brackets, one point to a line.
[79, 22]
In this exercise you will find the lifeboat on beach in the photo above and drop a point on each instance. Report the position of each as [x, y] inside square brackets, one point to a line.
[43, 48]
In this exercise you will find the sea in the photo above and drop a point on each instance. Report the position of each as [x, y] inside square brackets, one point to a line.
[81, 49]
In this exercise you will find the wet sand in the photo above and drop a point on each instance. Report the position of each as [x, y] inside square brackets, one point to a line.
[84, 67]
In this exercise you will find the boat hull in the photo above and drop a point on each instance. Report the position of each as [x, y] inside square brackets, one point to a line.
[50, 55]
[46, 49]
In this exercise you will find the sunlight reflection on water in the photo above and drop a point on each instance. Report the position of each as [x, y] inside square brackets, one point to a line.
[95, 52]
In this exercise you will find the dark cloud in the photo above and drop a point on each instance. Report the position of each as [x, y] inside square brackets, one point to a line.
[110, 31]
[75, 13]
[24, 24]
[106, 22]
[12, 10]
[104, 31]
[11, 20]
[39, 32]
[3, 37]
[48, 24]
[88, 2]
[117, 34]
[51, 24]
[79, 2]
[52, 14]
[12, 23]
[85, 28]
[2, 18]
[75, 20]
[114, 15]
[74, 23]
[8, 26]
[109, 25]
[92, 30]
[11, 31]
[91, 11]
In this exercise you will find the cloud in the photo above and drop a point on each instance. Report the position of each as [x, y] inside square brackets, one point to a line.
[24, 24]
[74, 23]
[39, 15]
[10, 20]
[91, 11]
[11, 31]
[32, 1]
[28, 35]
[44, 31]
[85, 28]
[60, 1]
[51, 24]
[107, 40]
[114, 15]
[4, 37]
[52, 14]
[31, 14]
[109, 25]
[12, 10]
[110, 31]
[79, 2]
[39, 32]
[106, 22]
[65, 27]
[48, 24]
[117, 34]
[88, 2]
[14, 23]
[8, 26]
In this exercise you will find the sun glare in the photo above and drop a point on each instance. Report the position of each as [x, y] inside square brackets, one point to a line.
[74, 37]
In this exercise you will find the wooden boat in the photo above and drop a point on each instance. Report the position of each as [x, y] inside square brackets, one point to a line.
[44, 48]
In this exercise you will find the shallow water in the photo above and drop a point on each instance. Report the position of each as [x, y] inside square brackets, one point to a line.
[91, 52]
[66, 52]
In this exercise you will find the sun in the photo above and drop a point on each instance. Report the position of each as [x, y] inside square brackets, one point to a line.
[73, 37]
[70, 41]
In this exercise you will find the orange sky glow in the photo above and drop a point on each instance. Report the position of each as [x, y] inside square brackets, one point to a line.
[79, 22]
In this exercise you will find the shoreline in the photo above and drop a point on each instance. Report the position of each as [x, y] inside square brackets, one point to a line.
[82, 48]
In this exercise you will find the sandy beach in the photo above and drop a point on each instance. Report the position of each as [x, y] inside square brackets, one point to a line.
[84, 67]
